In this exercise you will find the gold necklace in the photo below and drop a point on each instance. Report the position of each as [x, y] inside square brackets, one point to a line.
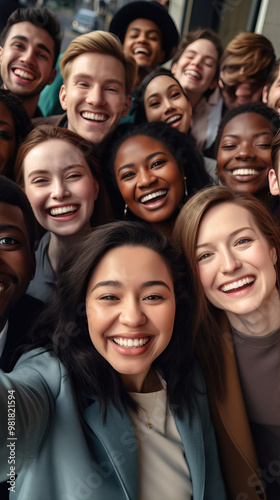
[149, 424]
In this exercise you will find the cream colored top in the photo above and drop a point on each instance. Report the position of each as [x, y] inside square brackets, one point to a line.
[164, 472]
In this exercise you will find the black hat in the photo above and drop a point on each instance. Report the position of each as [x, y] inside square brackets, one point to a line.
[154, 11]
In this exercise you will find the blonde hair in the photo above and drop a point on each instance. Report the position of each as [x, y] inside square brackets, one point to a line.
[99, 42]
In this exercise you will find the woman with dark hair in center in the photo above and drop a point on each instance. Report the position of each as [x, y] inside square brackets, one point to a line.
[113, 394]
[151, 170]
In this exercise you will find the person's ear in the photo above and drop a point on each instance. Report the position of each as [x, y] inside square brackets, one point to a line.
[265, 94]
[96, 190]
[273, 182]
[173, 68]
[62, 97]
[221, 85]
[273, 255]
[214, 84]
[127, 105]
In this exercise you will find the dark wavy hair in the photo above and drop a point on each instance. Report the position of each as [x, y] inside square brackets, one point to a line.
[63, 327]
[180, 146]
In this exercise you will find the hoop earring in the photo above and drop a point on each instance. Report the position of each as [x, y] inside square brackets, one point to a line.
[185, 187]
[125, 210]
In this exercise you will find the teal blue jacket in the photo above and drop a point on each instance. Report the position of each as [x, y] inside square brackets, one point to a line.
[62, 455]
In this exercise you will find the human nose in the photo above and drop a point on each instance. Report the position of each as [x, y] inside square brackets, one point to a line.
[168, 106]
[28, 56]
[59, 190]
[243, 90]
[131, 314]
[196, 61]
[95, 96]
[245, 151]
[228, 262]
[145, 177]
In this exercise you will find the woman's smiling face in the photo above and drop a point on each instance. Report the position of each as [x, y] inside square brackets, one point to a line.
[244, 154]
[165, 101]
[235, 262]
[60, 187]
[149, 178]
[130, 307]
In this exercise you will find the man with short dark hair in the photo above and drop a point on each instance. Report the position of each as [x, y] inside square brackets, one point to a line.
[30, 45]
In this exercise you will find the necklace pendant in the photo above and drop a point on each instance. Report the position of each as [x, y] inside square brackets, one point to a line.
[149, 425]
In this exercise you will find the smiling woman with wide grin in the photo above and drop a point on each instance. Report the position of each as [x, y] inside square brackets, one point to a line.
[233, 251]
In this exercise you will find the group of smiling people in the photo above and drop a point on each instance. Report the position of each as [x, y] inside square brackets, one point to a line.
[153, 369]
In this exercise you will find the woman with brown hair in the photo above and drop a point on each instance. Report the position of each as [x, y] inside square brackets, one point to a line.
[233, 250]
[60, 174]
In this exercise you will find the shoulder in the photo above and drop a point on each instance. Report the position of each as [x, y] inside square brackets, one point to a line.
[57, 120]
[39, 368]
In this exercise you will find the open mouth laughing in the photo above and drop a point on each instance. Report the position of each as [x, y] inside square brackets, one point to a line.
[193, 74]
[66, 210]
[94, 117]
[141, 51]
[153, 197]
[23, 74]
[173, 120]
[237, 285]
[131, 343]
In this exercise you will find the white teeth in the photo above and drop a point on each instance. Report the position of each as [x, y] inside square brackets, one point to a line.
[237, 284]
[152, 196]
[173, 118]
[131, 343]
[23, 74]
[63, 210]
[245, 171]
[94, 116]
[141, 50]
[192, 73]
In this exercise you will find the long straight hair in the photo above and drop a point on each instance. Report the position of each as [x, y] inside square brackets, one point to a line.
[207, 333]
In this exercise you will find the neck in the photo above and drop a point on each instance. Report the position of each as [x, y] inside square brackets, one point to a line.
[194, 97]
[260, 322]
[59, 247]
[142, 72]
[144, 382]
[30, 105]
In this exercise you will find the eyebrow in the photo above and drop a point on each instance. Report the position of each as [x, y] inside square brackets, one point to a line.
[158, 32]
[149, 157]
[69, 167]
[108, 80]
[3, 122]
[118, 284]
[39, 45]
[167, 88]
[205, 55]
[230, 235]
[5, 227]
[267, 132]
